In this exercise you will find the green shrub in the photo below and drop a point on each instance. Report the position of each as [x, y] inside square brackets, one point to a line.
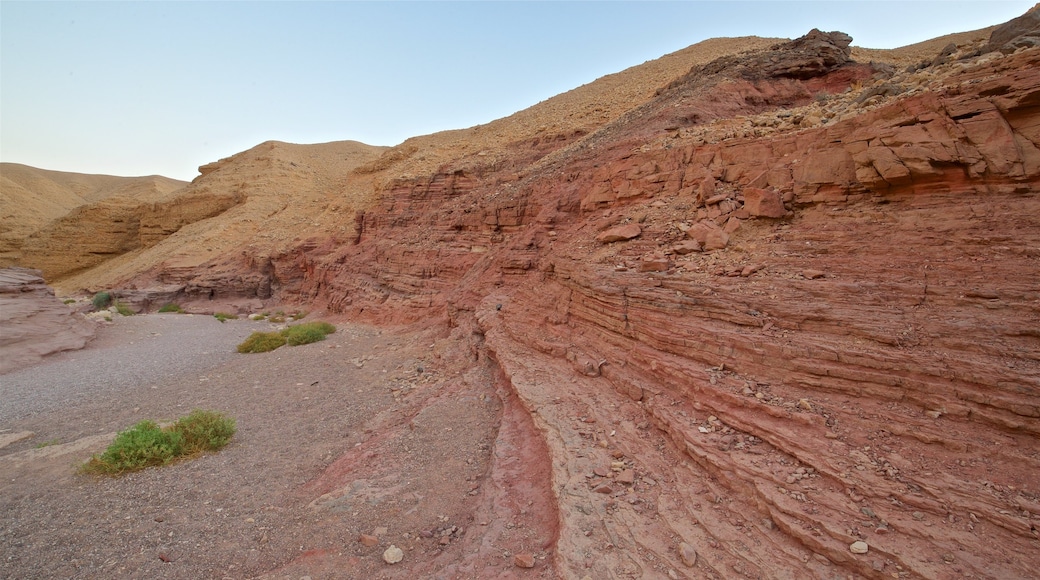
[146, 444]
[123, 309]
[224, 316]
[171, 307]
[307, 332]
[69, 301]
[140, 446]
[101, 300]
[261, 342]
[204, 431]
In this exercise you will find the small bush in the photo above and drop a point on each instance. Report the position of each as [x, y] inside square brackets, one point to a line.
[204, 431]
[146, 444]
[101, 300]
[307, 332]
[140, 446]
[123, 309]
[224, 316]
[261, 342]
[171, 307]
[69, 301]
[298, 314]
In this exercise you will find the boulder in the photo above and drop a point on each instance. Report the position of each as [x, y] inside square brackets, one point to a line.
[619, 233]
[763, 203]
[709, 235]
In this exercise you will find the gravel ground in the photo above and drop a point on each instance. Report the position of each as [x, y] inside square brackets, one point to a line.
[369, 435]
[132, 352]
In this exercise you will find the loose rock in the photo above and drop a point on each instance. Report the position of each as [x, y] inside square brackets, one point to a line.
[859, 547]
[393, 555]
[688, 554]
[524, 560]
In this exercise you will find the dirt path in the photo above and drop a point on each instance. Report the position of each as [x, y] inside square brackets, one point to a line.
[396, 435]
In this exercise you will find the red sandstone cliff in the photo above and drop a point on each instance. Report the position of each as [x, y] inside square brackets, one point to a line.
[784, 303]
[849, 350]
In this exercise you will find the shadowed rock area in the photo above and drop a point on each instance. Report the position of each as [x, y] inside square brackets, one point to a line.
[774, 316]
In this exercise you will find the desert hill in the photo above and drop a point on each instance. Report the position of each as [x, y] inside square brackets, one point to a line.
[768, 310]
[31, 198]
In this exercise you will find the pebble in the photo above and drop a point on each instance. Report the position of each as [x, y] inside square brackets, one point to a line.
[393, 555]
[688, 554]
[524, 560]
[604, 488]
[859, 547]
[368, 540]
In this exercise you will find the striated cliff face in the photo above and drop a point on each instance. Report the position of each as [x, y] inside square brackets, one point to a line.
[788, 304]
[783, 304]
[32, 199]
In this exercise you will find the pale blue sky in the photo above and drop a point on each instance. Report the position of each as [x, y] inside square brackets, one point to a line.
[133, 88]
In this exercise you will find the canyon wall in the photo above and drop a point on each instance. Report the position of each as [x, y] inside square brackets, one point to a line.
[775, 311]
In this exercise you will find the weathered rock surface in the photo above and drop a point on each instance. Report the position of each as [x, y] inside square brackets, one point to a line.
[32, 198]
[34, 323]
[865, 369]
[878, 379]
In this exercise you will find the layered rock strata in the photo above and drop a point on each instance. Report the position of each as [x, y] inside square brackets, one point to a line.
[35, 323]
[852, 355]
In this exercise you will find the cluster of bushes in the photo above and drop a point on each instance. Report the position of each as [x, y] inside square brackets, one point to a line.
[104, 300]
[305, 333]
[146, 444]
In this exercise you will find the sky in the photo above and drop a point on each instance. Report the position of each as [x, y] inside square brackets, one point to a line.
[145, 88]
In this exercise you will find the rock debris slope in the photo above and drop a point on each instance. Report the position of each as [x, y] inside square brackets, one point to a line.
[776, 318]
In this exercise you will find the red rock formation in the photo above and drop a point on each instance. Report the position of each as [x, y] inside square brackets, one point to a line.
[853, 358]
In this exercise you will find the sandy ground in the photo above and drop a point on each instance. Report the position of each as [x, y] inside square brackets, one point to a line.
[368, 433]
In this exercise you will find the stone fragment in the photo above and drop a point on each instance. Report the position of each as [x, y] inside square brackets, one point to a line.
[603, 488]
[763, 203]
[524, 560]
[393, 555]
[859, 547]
[709, 235]
[654, 264]
[686, 247]
[368, 540]
[626, 477]
[688, 554]
[601, 471]
[619, 233]
[813, 274]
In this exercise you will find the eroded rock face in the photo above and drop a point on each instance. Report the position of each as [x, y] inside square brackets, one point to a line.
[34, 323]
[813, 382]
[853, 357]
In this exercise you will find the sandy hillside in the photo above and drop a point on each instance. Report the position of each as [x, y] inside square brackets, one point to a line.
[31, 197]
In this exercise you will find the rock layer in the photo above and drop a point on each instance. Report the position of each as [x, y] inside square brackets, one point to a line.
[826, 373]
[34, 322]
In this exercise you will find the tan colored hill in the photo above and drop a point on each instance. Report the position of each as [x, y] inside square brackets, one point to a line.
[31, 198]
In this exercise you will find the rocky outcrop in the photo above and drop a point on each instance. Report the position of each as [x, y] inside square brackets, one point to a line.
[1021, 32]
[815, 373]
[91, 234]
[778, 320]
[35, 323]
[31, 198]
